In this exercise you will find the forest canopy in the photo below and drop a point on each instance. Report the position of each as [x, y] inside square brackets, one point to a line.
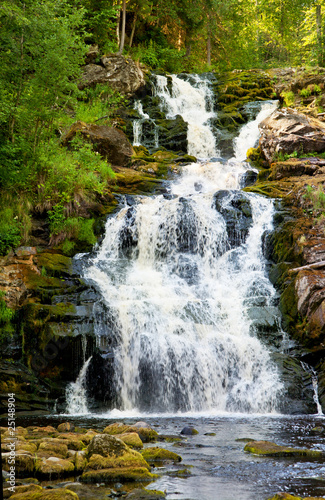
[43, 46]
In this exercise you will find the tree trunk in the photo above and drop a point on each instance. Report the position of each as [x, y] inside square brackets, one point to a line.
[123, 28]
[209, 43]
[118, 18]
[320, 50]
[133, 28]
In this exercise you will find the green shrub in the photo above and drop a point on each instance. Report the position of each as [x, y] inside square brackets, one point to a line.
[10, 231]
[288, 98]
[6, 317]
[305, 92]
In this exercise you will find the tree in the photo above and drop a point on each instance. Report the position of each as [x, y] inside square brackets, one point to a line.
[41, 52]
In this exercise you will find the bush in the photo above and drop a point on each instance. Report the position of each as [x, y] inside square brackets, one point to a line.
[10, 231]
[6, 317]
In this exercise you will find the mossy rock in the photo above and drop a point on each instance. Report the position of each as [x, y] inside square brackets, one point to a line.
[53, 467]
[65, 427]
[26, 488]
[80, 462]
[56, 494]
[54, 264]
[73, 441]
[53, 447]
[180, 473]
[143, 494]
[106, 451]
[24, 463]
[116, 428]
[118, 474]
[130, 458]
[267, 448]
[131, 439]
[157, 454]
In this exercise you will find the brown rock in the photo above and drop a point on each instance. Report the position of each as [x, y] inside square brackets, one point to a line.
[120, 73]
[286, 131]
[110, 142]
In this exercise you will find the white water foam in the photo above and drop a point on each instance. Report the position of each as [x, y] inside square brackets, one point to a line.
[178, 290]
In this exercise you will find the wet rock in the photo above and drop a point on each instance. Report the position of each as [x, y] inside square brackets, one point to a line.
[105, 451]
[146, 434]
[267, 448]
[286, 131]
[292, 168]
[131, 439]
[128, 474]
[142, 494]
[110, 142]
[156, 454]
[122, 74]
[24, 463]
[53, 467]
[55, 494]
[66, 427]
[236, 209]
[31, 489]
[189, 431]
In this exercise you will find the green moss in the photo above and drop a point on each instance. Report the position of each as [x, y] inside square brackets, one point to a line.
[129, 458]
[131, 439]
[53, 448]
[118, 474]
[116, 428]
[267, 448]
[160, 455]
[180, 473]
[55, 265]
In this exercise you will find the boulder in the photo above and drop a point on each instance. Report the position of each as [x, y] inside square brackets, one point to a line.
[189, 431]
[156, 454]
[110, 142]
[118, 474]
[55, 494]
[54, 467]
[286, 131]
[105, 451]
[121, 73]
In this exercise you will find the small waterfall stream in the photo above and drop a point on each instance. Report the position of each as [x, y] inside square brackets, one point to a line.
[181, 275]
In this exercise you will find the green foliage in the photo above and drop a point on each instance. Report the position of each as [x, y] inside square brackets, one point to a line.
[316, 197]
[10, 230]
[305, 92]
[288, 98]
[163, 57]
[6, 318]
[69, 177]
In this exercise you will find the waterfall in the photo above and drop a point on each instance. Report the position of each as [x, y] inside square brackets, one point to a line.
[249, 133]
[179, 276]
[76, 394]
[137, 124]
[194, 102]
[314, 380]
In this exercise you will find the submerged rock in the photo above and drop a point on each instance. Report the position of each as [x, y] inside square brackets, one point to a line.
[189, 431]
[157, 454]
[267, 448]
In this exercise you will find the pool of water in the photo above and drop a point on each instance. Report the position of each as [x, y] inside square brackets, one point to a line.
[219, 467]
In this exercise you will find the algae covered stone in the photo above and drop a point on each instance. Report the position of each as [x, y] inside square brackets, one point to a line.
[118, 474]
[267, 448]
[160, 455]
[56, 494]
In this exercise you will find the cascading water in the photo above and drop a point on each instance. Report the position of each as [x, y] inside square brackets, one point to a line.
[179, 276]
[194, 102]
